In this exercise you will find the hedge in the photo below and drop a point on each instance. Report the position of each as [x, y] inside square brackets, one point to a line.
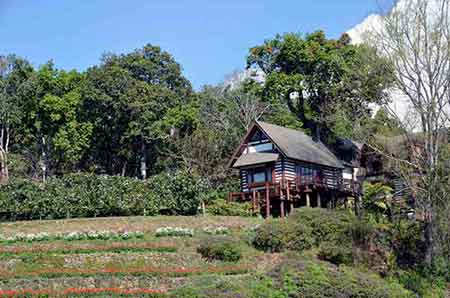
[89, 195]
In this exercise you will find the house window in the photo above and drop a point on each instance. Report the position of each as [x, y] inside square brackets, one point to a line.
[309, 174]
[261, 175]
[265, 147]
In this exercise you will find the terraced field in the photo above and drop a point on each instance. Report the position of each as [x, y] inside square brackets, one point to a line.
[50, 258]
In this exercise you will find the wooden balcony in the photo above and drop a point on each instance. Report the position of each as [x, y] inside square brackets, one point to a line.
[300, 185]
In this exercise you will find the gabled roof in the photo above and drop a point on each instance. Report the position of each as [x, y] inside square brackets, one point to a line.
[299, 146]
[255, 158]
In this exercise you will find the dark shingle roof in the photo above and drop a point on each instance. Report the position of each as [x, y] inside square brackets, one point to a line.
[297, 145]
[255, 158]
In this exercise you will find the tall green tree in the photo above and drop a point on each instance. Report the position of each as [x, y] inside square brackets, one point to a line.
[128, 98]
[314, 77]
[54, 136]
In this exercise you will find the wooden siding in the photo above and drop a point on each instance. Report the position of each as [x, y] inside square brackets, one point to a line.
[244, 180]
[289, 170]
[330, 177]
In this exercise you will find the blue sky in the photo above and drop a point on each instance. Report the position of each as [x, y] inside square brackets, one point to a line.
[210, 38]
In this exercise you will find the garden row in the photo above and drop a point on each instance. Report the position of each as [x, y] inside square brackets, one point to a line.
[111, 235]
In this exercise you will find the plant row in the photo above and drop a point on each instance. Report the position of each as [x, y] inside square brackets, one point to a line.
[72, 236]
[110, 235]
[83, 292]
[80, 249]
[186, 232]
[122, 271]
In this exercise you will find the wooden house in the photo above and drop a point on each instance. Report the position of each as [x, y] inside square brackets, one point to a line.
[281, 169]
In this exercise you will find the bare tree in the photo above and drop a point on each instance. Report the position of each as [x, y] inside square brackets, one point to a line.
[6, 114]
[246, 107]
[415, 38]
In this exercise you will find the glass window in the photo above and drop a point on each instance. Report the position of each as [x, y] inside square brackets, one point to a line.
[267, 147]
[261, 175]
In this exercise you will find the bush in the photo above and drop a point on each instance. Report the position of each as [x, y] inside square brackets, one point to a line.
[220, 249]
[271, 236]
[336, 253]
[278, 235]
[177, 193]
[312, 279]
[223, 208]
[89, 195]
[326, 225]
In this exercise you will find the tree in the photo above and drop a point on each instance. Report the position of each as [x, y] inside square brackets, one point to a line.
[415, 38]
[314, 76]
[54, 136]
[128, 99]
[13, 73]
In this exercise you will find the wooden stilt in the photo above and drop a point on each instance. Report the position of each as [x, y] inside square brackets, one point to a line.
[281, 203]
[319, 200]
[288, 197]
[254, 200]
[308, 201]
[258, 201]
[267, 200]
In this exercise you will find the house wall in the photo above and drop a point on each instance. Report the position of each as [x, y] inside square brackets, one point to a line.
[290, 170]
[244, 180]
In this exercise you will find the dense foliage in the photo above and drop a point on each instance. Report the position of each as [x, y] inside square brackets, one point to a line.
[300, 278]
[222, 249]
[83, 195]
[327, 84]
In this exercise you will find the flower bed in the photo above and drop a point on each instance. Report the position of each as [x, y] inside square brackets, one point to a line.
[71, 236]
[69, 249]
[83, 292]
[174, 232]
[217, 230]
[135, 271]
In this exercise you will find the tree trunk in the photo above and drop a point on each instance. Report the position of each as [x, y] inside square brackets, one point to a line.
[143, 160]
[4, 144]
[44, 159]
[124, 169]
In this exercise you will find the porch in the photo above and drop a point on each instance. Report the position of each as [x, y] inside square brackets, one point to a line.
[281, 198]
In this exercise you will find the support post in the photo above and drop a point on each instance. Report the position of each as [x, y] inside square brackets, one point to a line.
[308, 201]
[288, 197]
[267, 200]
[281, 204]
[319, 200]
[254, 200]
[258, 201]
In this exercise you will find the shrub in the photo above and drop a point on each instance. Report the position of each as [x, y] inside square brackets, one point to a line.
[406, 237]
[312, 279]
[271, 236]
[361, 232]
[326, 225]
[278, 235]
[220, 249]
[177, 193]
[223, 208]
[336, 253]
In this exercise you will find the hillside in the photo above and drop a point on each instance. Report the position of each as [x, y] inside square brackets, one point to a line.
[134, 257]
